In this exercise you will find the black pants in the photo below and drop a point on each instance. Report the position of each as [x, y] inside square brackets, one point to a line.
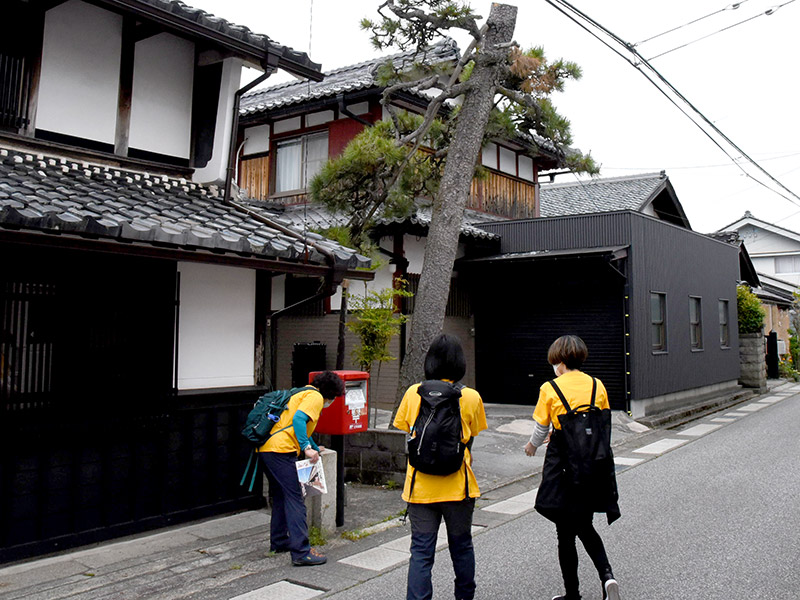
[579, 526]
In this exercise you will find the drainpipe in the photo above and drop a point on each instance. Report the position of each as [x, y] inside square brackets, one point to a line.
[270, 66]
[343, 110]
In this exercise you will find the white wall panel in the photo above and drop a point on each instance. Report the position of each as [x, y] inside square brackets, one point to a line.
[217, 326]
[257, 140]
[79, 89]
[161, 108]
[508, 161]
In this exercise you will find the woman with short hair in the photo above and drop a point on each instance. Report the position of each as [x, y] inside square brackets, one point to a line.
[559, 499]
[292, 437]
[451, 497]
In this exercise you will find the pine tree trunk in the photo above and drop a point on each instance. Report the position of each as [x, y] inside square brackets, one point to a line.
[448, 209]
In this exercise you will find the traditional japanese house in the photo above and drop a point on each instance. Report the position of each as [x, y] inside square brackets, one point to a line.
[135, 289]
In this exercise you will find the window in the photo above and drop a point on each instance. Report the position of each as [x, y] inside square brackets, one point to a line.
[724, 333]
[298, 160]
[787, 264]
[658, 320]
[696, 322]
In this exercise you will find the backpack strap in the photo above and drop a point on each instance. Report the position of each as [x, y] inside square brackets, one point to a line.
[561, 396]
[564, 400]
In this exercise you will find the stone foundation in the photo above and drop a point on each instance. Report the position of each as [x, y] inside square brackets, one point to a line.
[375, 456]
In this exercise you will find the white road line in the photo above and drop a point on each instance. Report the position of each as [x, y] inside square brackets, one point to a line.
[628, 462]
[699, 430]
[376, 559]
[722, 420]
[282, 590]
[660, 446]
[736, 414]
[751, 407]
[769, 400]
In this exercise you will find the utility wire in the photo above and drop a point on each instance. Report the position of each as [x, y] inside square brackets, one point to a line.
[654, 77]
[766, 13]
[716, 12]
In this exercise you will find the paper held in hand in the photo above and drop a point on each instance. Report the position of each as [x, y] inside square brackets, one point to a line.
[312, 477]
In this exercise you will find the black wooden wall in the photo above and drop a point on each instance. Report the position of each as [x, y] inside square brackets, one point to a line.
[94, 443]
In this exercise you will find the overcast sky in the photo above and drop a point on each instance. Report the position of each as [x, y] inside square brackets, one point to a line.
[743, 79]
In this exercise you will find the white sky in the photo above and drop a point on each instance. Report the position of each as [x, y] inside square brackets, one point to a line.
[743, 79]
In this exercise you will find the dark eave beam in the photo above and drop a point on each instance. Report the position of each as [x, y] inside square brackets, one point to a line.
[176, 22]
[70, 242]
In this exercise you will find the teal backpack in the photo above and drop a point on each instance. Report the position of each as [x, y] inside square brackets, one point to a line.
[259, 423]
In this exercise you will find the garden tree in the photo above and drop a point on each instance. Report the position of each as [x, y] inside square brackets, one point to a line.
[493, 88]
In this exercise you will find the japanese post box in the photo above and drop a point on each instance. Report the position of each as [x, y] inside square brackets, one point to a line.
[348, 413]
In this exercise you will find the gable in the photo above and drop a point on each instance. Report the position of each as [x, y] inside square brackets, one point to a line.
[760, 240]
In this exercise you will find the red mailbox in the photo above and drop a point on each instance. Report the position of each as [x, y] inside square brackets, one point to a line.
[348, 413]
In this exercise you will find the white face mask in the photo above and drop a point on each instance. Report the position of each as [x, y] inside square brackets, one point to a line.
[555, 369]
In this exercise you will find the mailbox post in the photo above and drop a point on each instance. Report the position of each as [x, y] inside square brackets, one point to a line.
[345, 415]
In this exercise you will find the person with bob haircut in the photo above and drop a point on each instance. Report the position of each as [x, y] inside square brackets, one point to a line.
[432, 498]
[292, 437]
[558, 499]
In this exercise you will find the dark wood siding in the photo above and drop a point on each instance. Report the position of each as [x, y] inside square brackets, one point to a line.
[680, 263]
[661, 257]
[522, 309]
[94, 443]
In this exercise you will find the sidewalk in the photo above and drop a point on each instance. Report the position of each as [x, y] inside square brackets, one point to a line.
[226, 558]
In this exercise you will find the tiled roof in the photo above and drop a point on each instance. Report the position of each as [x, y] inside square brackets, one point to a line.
[58, 195]
[346, 79]
[239, 33]
[315, 216]
[599, 195]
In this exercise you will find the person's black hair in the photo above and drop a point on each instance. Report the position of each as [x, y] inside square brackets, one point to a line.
[445, 359]
[329, 384]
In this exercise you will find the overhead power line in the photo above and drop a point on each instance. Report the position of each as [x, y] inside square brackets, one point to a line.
[716, 12]
[766, 13]
[672, 94]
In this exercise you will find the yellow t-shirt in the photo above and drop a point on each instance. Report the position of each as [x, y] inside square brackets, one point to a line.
[443, 488]
[310, 402]
[577, 389]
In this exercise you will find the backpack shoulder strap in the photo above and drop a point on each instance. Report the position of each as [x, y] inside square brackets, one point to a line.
[594, 390]
[561, 396]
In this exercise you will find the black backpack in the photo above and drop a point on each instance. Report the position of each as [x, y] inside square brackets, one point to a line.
[586, 431]
[434, 443]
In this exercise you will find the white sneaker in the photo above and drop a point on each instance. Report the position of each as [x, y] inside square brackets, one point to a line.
[611, 590]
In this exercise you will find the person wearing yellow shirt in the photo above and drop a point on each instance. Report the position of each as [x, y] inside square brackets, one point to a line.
[432, 498]
[291, 437]
[557, 499]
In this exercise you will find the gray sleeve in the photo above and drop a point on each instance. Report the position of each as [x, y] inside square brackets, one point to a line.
[539, 434]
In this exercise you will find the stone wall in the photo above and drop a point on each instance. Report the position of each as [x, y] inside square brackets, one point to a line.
[375, 456]
[752, 351]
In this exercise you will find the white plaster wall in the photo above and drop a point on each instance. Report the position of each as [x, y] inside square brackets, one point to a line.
[278, 300]
[759, 241]
[79, 89]
[489, 155]
[525, 167]
[256, 140]
[214, 171]
[286, 125]
[319, 118]
[508, 161]
[217, 326]
[161, 107]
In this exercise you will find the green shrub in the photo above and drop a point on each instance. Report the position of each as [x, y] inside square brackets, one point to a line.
[751, 315]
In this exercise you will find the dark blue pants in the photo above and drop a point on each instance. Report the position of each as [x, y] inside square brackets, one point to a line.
[425, 521]
[288, 528]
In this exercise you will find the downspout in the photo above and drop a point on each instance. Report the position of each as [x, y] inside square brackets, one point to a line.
[269, 69]
[336, 274]
[343, 110]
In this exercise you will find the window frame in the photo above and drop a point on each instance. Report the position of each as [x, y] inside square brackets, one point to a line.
[696, 327]
[662, 324]
[724, 327]
[303, 140]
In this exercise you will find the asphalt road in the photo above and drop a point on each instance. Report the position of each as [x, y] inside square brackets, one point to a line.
[716, 518]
